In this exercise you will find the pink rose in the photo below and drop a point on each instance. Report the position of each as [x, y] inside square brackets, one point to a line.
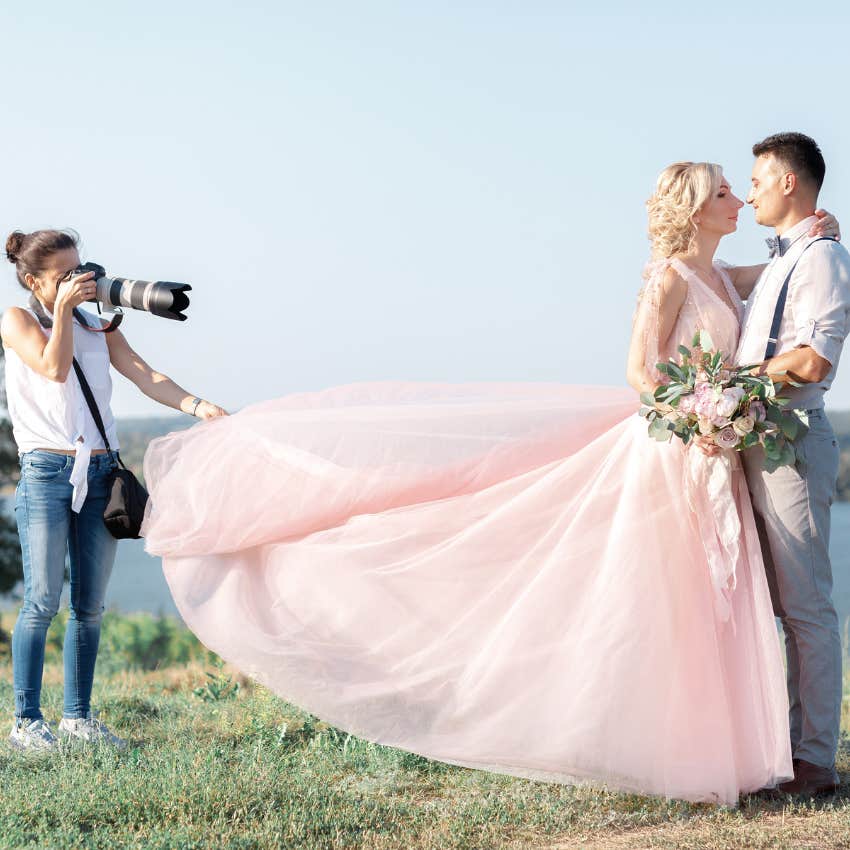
[757, 411]
[727, 438]
[687, 403]
[706, 408]
[729, 401]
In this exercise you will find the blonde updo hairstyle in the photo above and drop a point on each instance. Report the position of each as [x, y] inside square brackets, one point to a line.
[680, 192]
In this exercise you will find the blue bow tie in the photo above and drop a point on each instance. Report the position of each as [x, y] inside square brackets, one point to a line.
[774, 246]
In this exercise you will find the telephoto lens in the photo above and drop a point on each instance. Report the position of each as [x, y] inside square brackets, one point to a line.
[161, 297]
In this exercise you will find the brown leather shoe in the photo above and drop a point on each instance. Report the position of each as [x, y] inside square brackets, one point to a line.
[811, 780]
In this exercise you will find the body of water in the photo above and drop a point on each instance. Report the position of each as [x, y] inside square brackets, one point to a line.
[138, 583]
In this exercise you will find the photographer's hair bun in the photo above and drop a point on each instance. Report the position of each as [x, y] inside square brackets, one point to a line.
[30, 251]
[13, 246]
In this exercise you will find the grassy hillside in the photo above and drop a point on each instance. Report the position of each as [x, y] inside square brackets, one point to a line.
[218, 762]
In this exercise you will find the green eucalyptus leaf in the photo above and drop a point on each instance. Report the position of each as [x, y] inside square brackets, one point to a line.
[790, 426]
[772, 449]
[749, 440]
[661, 429]
[770, 464]
[789, 454]
[705, 341]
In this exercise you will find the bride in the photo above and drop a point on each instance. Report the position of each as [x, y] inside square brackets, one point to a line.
[510, 577]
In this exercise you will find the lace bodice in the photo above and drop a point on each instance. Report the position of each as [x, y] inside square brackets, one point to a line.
[703, 309]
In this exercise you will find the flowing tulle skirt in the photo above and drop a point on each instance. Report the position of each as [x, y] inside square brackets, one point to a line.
[508, 577]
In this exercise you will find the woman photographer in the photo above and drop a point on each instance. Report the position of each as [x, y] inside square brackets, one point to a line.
[65, 468]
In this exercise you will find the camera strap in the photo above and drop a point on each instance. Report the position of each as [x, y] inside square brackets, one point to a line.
[46, 322]
[95, 411]
[117, 318]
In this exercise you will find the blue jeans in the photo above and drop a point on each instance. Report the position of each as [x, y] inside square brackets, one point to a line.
[48, 529]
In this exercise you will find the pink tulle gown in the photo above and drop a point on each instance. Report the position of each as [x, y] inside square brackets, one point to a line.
[511, 577]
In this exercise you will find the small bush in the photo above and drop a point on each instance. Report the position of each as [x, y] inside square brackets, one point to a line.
[129, 642]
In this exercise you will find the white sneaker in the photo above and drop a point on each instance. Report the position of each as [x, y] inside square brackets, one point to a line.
[32, 735]
[89, 729]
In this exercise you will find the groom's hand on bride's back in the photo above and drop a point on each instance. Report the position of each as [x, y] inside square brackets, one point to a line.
[826, 225]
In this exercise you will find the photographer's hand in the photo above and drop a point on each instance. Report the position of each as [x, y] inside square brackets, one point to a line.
[208, 410]
[51, 357]
[75, 291]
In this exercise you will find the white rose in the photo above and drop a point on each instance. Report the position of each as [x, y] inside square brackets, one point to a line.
[744, 424]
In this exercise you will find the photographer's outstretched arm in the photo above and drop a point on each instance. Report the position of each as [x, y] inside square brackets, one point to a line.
[154, 384]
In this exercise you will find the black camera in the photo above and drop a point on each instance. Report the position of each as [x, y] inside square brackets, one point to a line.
[161, 297]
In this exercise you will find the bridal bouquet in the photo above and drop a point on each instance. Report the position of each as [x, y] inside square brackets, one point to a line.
[709, 400]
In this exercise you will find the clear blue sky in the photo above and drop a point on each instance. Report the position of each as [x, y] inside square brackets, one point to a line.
[377, 190]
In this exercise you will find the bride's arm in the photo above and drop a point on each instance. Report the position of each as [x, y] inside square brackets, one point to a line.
[655, 320]
[744, 278]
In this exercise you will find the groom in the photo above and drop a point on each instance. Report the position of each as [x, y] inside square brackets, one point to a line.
[792, 504]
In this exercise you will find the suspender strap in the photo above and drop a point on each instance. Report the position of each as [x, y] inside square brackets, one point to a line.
[770, 350]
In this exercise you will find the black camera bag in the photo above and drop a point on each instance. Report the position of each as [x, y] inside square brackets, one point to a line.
[125, 507]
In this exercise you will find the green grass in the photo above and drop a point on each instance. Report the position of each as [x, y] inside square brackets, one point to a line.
[212, 765]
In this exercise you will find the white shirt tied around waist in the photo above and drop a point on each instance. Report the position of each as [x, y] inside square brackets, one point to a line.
[817, 312]
[48, 414]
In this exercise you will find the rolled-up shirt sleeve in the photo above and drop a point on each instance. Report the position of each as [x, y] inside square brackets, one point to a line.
[820, 301]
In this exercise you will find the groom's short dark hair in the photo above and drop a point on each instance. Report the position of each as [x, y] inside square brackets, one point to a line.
[798, 153]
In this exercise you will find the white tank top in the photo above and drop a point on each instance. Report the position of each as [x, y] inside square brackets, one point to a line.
[52, 415]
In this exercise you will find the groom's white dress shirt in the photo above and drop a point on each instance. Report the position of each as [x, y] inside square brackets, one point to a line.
[817, 310]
